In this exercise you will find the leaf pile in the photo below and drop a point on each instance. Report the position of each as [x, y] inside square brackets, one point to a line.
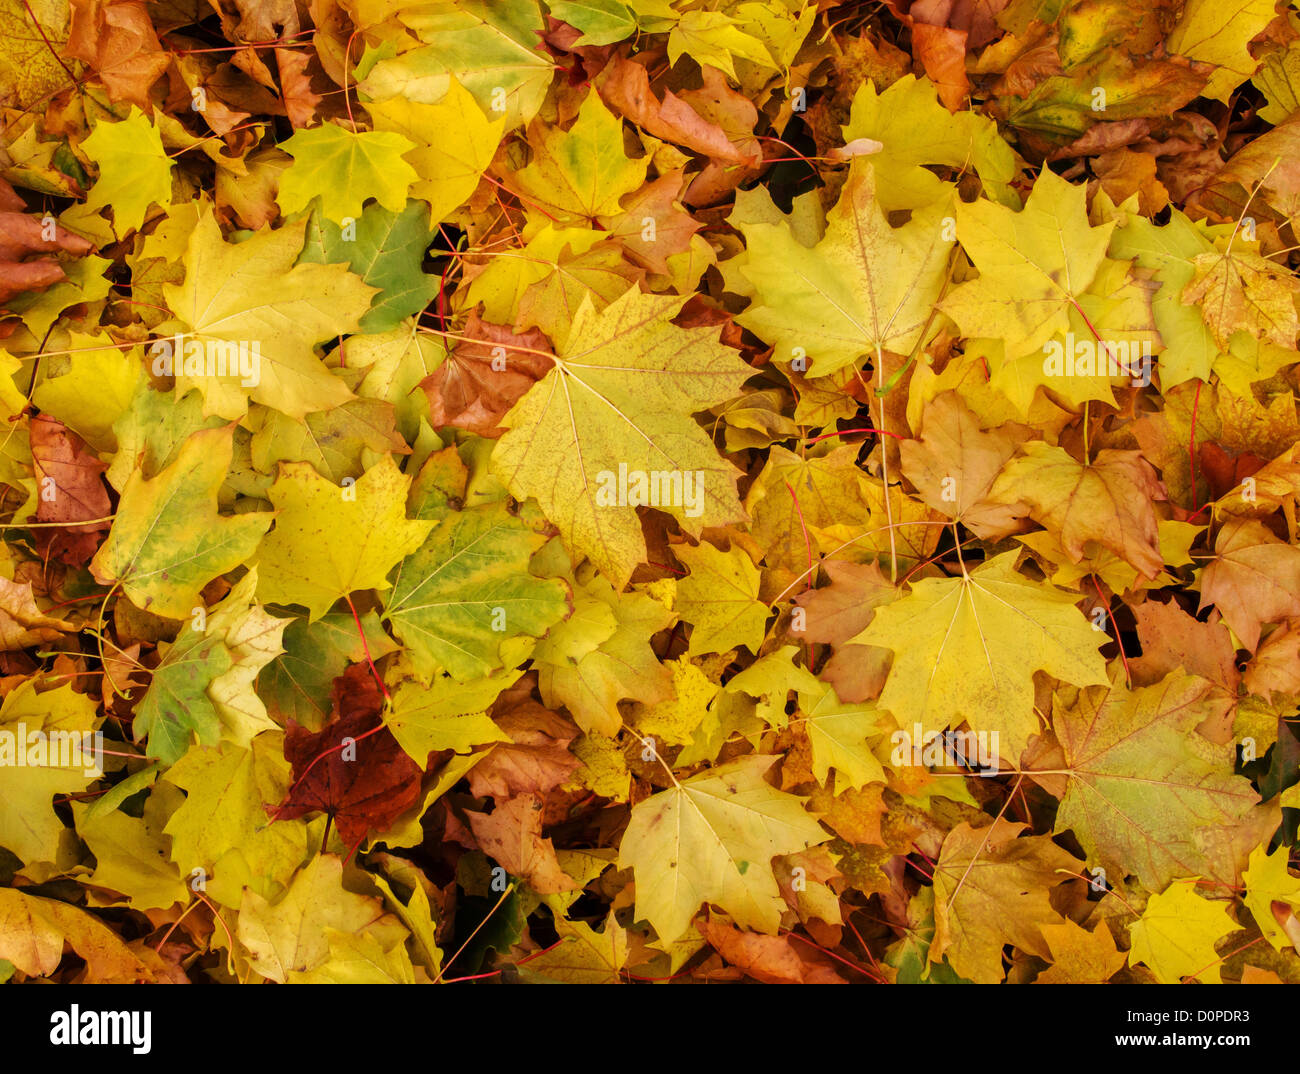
[630, 490]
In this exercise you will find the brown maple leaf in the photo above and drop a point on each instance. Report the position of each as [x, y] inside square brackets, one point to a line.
[625, 86]
[71, 491]
[771, 959]
[119, 42]
[481, 380]
[536, 760]
[512, 836]
[365, 785]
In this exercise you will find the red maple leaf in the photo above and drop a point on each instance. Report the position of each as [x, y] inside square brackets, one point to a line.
[72, 491]
[352, 769]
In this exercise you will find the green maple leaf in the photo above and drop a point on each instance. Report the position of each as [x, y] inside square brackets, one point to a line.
[176, 709]
[297, 684]
[168, 541]
[387, 252]
[602, 22]
[467, 589]
[1148, 795]
[624, 384]
[202, 688]
[491, 47]
[344, 168]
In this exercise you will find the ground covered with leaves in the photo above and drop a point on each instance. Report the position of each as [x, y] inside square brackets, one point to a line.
[631, 490]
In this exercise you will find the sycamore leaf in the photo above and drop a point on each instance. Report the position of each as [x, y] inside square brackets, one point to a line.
[770, 959]
[168, 541]
[676, 720]
[344, 168]
[966, 649]
[609, 428]
[711, 839]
